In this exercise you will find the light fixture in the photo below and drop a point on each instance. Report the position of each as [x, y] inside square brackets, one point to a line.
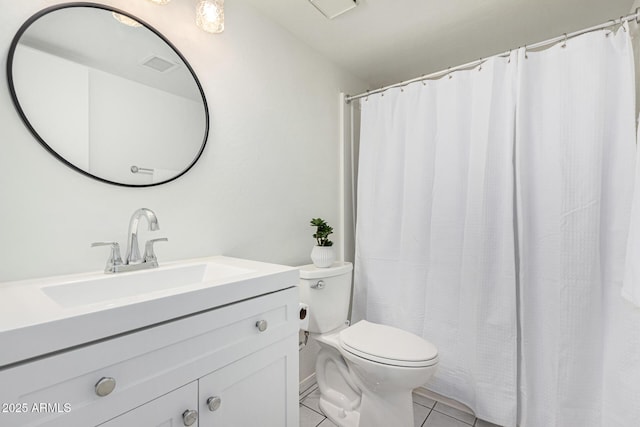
[332, 8]
[123, 19]
[160, 1]
[210, 15]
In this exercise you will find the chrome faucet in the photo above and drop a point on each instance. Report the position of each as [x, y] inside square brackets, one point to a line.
[133, 251]
[133, 261]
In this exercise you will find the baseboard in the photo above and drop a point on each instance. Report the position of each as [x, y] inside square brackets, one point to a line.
[307, 383]
[440, 398]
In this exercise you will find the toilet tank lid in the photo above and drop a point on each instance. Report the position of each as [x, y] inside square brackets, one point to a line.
[337, 268]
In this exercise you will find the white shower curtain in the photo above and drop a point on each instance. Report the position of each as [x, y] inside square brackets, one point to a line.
[435, 233]
[439, 236]
[575, 151]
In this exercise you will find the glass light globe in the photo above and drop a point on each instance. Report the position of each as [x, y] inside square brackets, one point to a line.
[210, 15]
[160, 1]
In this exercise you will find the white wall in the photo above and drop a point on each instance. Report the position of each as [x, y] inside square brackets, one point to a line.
[271, 163]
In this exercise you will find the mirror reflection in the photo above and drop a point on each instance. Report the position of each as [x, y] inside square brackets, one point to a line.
[108, 95]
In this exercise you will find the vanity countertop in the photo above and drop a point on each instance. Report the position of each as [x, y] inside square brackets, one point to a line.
[42, 316]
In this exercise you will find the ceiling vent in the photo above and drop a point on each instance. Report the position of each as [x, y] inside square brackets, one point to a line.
[333, 8]
[159, 64]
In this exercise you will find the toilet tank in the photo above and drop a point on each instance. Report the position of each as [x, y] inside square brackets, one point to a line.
[327, 291]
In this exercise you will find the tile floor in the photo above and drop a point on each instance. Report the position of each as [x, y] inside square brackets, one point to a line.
[426, 413]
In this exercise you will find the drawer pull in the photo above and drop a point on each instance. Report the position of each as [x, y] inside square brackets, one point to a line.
[261, 325]
[214, 403]
[105, 386]
[189, 417]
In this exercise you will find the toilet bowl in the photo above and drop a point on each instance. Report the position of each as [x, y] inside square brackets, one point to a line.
[365, 372]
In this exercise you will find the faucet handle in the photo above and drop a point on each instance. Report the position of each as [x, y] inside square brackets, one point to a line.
[149, 254]
[114, 258]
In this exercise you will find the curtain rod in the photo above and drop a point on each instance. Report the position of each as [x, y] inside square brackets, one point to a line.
[612, 22]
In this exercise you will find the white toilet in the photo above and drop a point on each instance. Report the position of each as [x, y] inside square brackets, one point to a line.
[365, 372]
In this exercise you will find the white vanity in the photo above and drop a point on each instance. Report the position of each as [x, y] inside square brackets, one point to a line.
[210, 341]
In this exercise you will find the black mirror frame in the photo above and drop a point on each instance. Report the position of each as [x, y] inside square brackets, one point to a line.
[20, 111]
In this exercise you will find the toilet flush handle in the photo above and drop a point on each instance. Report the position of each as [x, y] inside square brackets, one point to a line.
[318, 285]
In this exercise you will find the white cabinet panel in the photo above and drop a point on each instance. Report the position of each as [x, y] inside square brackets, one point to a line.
[165, 411]
[258, 390]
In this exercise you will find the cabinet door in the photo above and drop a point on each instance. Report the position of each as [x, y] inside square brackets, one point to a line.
[258, 390]
[167, 410]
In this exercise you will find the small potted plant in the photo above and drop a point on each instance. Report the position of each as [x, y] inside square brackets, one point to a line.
[322, 254]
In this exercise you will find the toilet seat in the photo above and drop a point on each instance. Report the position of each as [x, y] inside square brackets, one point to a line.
[387, 345]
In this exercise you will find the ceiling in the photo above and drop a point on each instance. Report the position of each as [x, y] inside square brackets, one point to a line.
[388, 41]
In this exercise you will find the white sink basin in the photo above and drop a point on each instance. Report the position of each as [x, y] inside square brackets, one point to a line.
[53, 313]
[106, 288]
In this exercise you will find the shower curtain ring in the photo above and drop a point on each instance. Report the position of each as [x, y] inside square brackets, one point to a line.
[480, 67]
[564, 43]
[622, 24]
[526, 54]
[423, 80]
[449, 72]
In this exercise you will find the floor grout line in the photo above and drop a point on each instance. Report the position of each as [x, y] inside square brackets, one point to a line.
[317, 412]
[427, 417]
[311, 387]
[431, 409]
[451, 416]
[307, 392]
[424, 406]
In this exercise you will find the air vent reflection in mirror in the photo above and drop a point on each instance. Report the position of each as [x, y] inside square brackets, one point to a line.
[158, 64]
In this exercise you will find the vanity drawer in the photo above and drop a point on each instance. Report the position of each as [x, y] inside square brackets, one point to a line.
[60, 390]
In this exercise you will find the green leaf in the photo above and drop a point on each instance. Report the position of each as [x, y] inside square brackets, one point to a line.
[322, 232]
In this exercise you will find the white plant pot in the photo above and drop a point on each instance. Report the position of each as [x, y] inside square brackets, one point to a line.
[323, 256]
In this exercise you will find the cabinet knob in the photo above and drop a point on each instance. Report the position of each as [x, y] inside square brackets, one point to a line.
[189, 417]
[261, 325]
[105, 386]
[214, 403]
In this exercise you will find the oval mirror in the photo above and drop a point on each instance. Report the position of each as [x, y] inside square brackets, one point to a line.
[107, 95]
